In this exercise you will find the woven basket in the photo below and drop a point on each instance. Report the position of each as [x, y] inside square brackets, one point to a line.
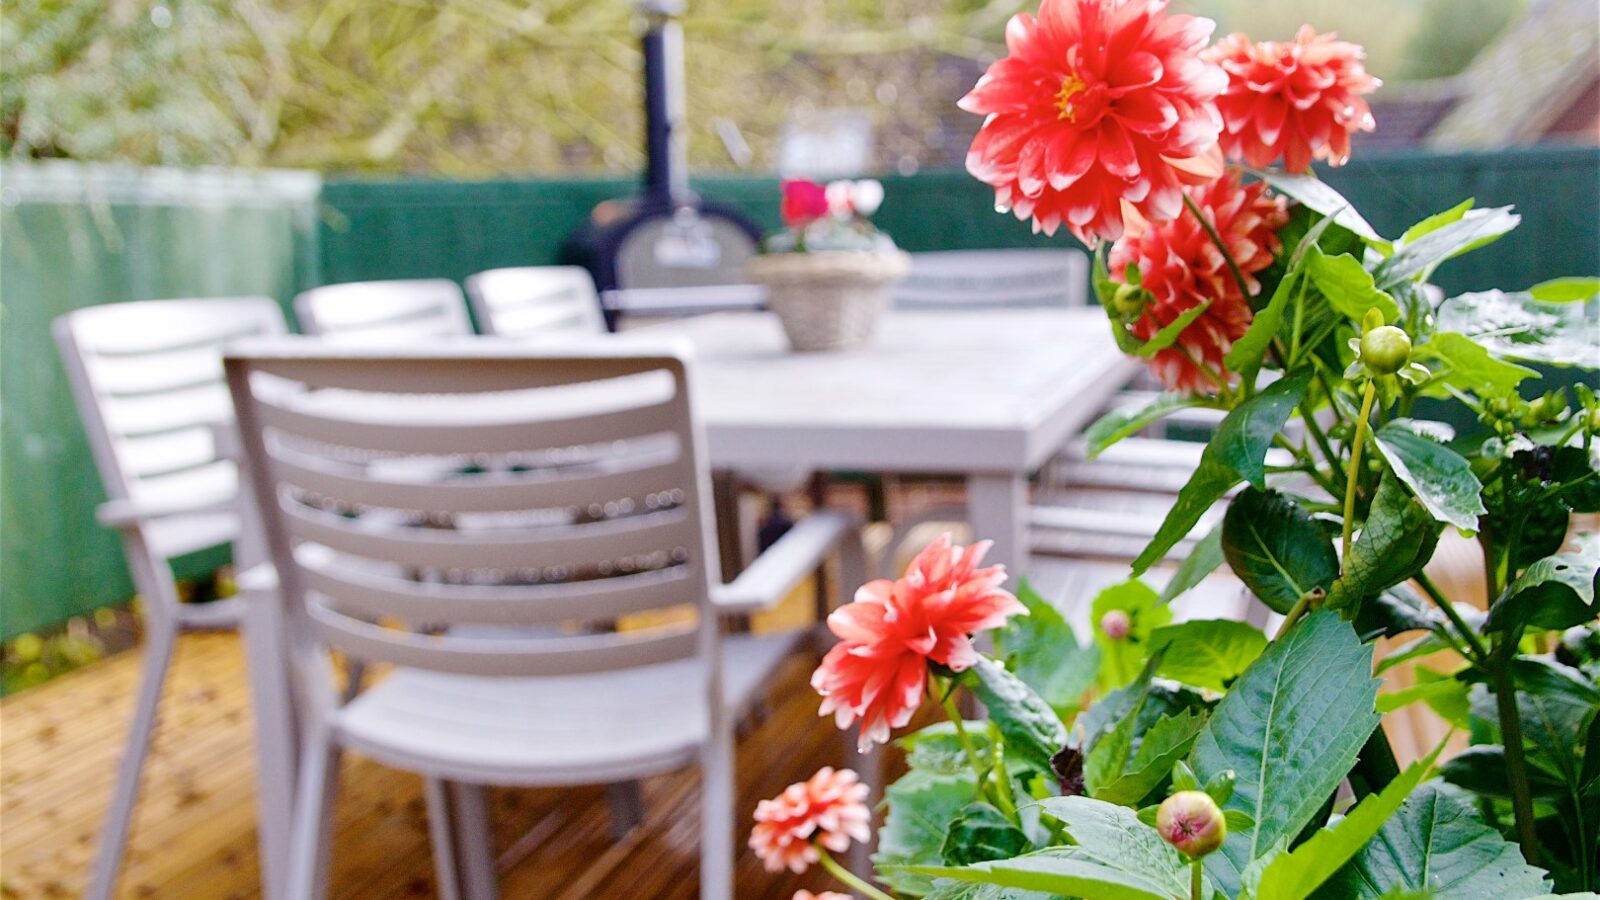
[830, 299]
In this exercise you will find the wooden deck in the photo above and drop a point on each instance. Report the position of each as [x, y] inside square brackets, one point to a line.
[194, 833]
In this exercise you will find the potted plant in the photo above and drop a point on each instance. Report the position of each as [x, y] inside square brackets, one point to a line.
[828, 272]
[1207, 758]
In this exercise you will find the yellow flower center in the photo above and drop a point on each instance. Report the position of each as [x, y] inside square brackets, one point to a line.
[1071, 86]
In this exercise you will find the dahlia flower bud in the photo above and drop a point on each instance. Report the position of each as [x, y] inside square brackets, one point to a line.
[1129, 299]
[1191, 822]
[1385, 349]
[1116, 625]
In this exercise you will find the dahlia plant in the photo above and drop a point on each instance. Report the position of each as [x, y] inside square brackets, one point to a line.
[1363, 415]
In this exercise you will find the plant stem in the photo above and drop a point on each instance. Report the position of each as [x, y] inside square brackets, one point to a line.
[1351, 479]
[1295, 612]
[1216, 239]
[1479, 653]
[1196, 870]
[978, 771]
[854, 882]
[1505, 696]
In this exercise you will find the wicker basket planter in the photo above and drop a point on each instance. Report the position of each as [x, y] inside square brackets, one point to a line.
[829, 299]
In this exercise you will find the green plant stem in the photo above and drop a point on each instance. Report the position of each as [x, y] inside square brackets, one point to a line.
[1196, 872]
[1216, 240]
[1295, 612]
[978, 771]
[1352, 477]
[1505, 696]
[851, 880]
[1478, 652]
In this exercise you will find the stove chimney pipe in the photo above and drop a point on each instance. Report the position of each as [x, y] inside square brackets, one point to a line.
[667, 173]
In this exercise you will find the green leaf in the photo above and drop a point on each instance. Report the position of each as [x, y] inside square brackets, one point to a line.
[1193, 569]
[1276, 549]
[1168, 334]
[1475, 228]
[1064, 871]
[945, 889]
[1120, 423]
[1554, 701]
[1481, 769]
[1317, 195]
[1437, 841]
[1207, 653]
[1348, 287]
[1294, 875]
[1519, 327]
[1167, 742]
[1245, 355]
[1109, 756]
[1555, 592]
[1042, 650]
[1464, 364]
[1396, 541]
[1290, 729]
[1237, 452]
[1442, 690]
[1032, 730]
[937, 749]
[1565, 290]
[1120, 660]
[981, 832]
[1440, 477]
[920, 806]
[1435, 222]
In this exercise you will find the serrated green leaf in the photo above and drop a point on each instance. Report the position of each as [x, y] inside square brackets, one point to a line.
[1109, 755]
[1317, 195]
[1437, 842]
[1120, 423]
[1476, 228]
[921, 804]
[1163, 745]
[1565, 290]
[1294, 875]
[1516, 326]
[1059, 870]
[1237, 452]
[1246, 353]
[1348, 286]
[1276, 549]
[1194, 568]
[1554, 592]
[1396, 541]
[1207, 653]
[1462, 363]
[1290, 729]
[981, 832]
[937, 749]
[945, 889]
[1043, 651]
[1441, 478]
[1168, 335]
[1554, 701]
[1032, 730]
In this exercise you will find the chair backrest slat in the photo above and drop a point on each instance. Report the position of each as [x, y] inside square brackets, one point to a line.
[399, 312]
[486, 485]
[536, 302]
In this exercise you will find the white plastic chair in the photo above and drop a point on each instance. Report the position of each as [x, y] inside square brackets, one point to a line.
[536, 302]
[147, 378]
[499, 679]
[994, 279]
[399, 312]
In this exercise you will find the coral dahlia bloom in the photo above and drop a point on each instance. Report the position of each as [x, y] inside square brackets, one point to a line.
[1298, 99]
[1099, 102]
[829, 808]
[1182, 268]
[879, 669]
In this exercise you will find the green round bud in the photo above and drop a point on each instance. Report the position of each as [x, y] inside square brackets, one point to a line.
[1191, 822]
[1128, 299]
[1385, 349]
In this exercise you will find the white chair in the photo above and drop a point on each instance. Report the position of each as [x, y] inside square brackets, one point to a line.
[147, 378]
[399, 312]
[536, 302]
[994, 279]
[478, 695]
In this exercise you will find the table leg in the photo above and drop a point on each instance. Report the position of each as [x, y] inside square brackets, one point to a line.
[997, 508]
[725, 499]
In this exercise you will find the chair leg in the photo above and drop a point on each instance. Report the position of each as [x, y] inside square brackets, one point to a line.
[869, 766]
[716, 816]
[309, 848]
[114, 836]
[625, 800]
[474, 841]
[441, 833]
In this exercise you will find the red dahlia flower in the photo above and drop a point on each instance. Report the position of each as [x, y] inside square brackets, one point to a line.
[879, 669]
[1181, 268]
[829, 808]
[1099, 102]
[1298, 99]
[803, 202]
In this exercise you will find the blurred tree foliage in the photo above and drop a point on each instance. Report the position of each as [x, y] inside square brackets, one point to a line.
[459, 87]
[1457, 30]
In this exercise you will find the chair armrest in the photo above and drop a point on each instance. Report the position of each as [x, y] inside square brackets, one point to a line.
[126, 512]
[778, 570]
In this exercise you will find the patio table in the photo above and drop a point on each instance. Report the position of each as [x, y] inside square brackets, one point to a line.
[988, 396]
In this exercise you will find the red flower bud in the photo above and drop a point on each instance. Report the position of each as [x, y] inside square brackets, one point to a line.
[1191, 822]
[1116, 624]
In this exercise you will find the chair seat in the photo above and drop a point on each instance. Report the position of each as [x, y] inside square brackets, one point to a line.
[587, 729]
